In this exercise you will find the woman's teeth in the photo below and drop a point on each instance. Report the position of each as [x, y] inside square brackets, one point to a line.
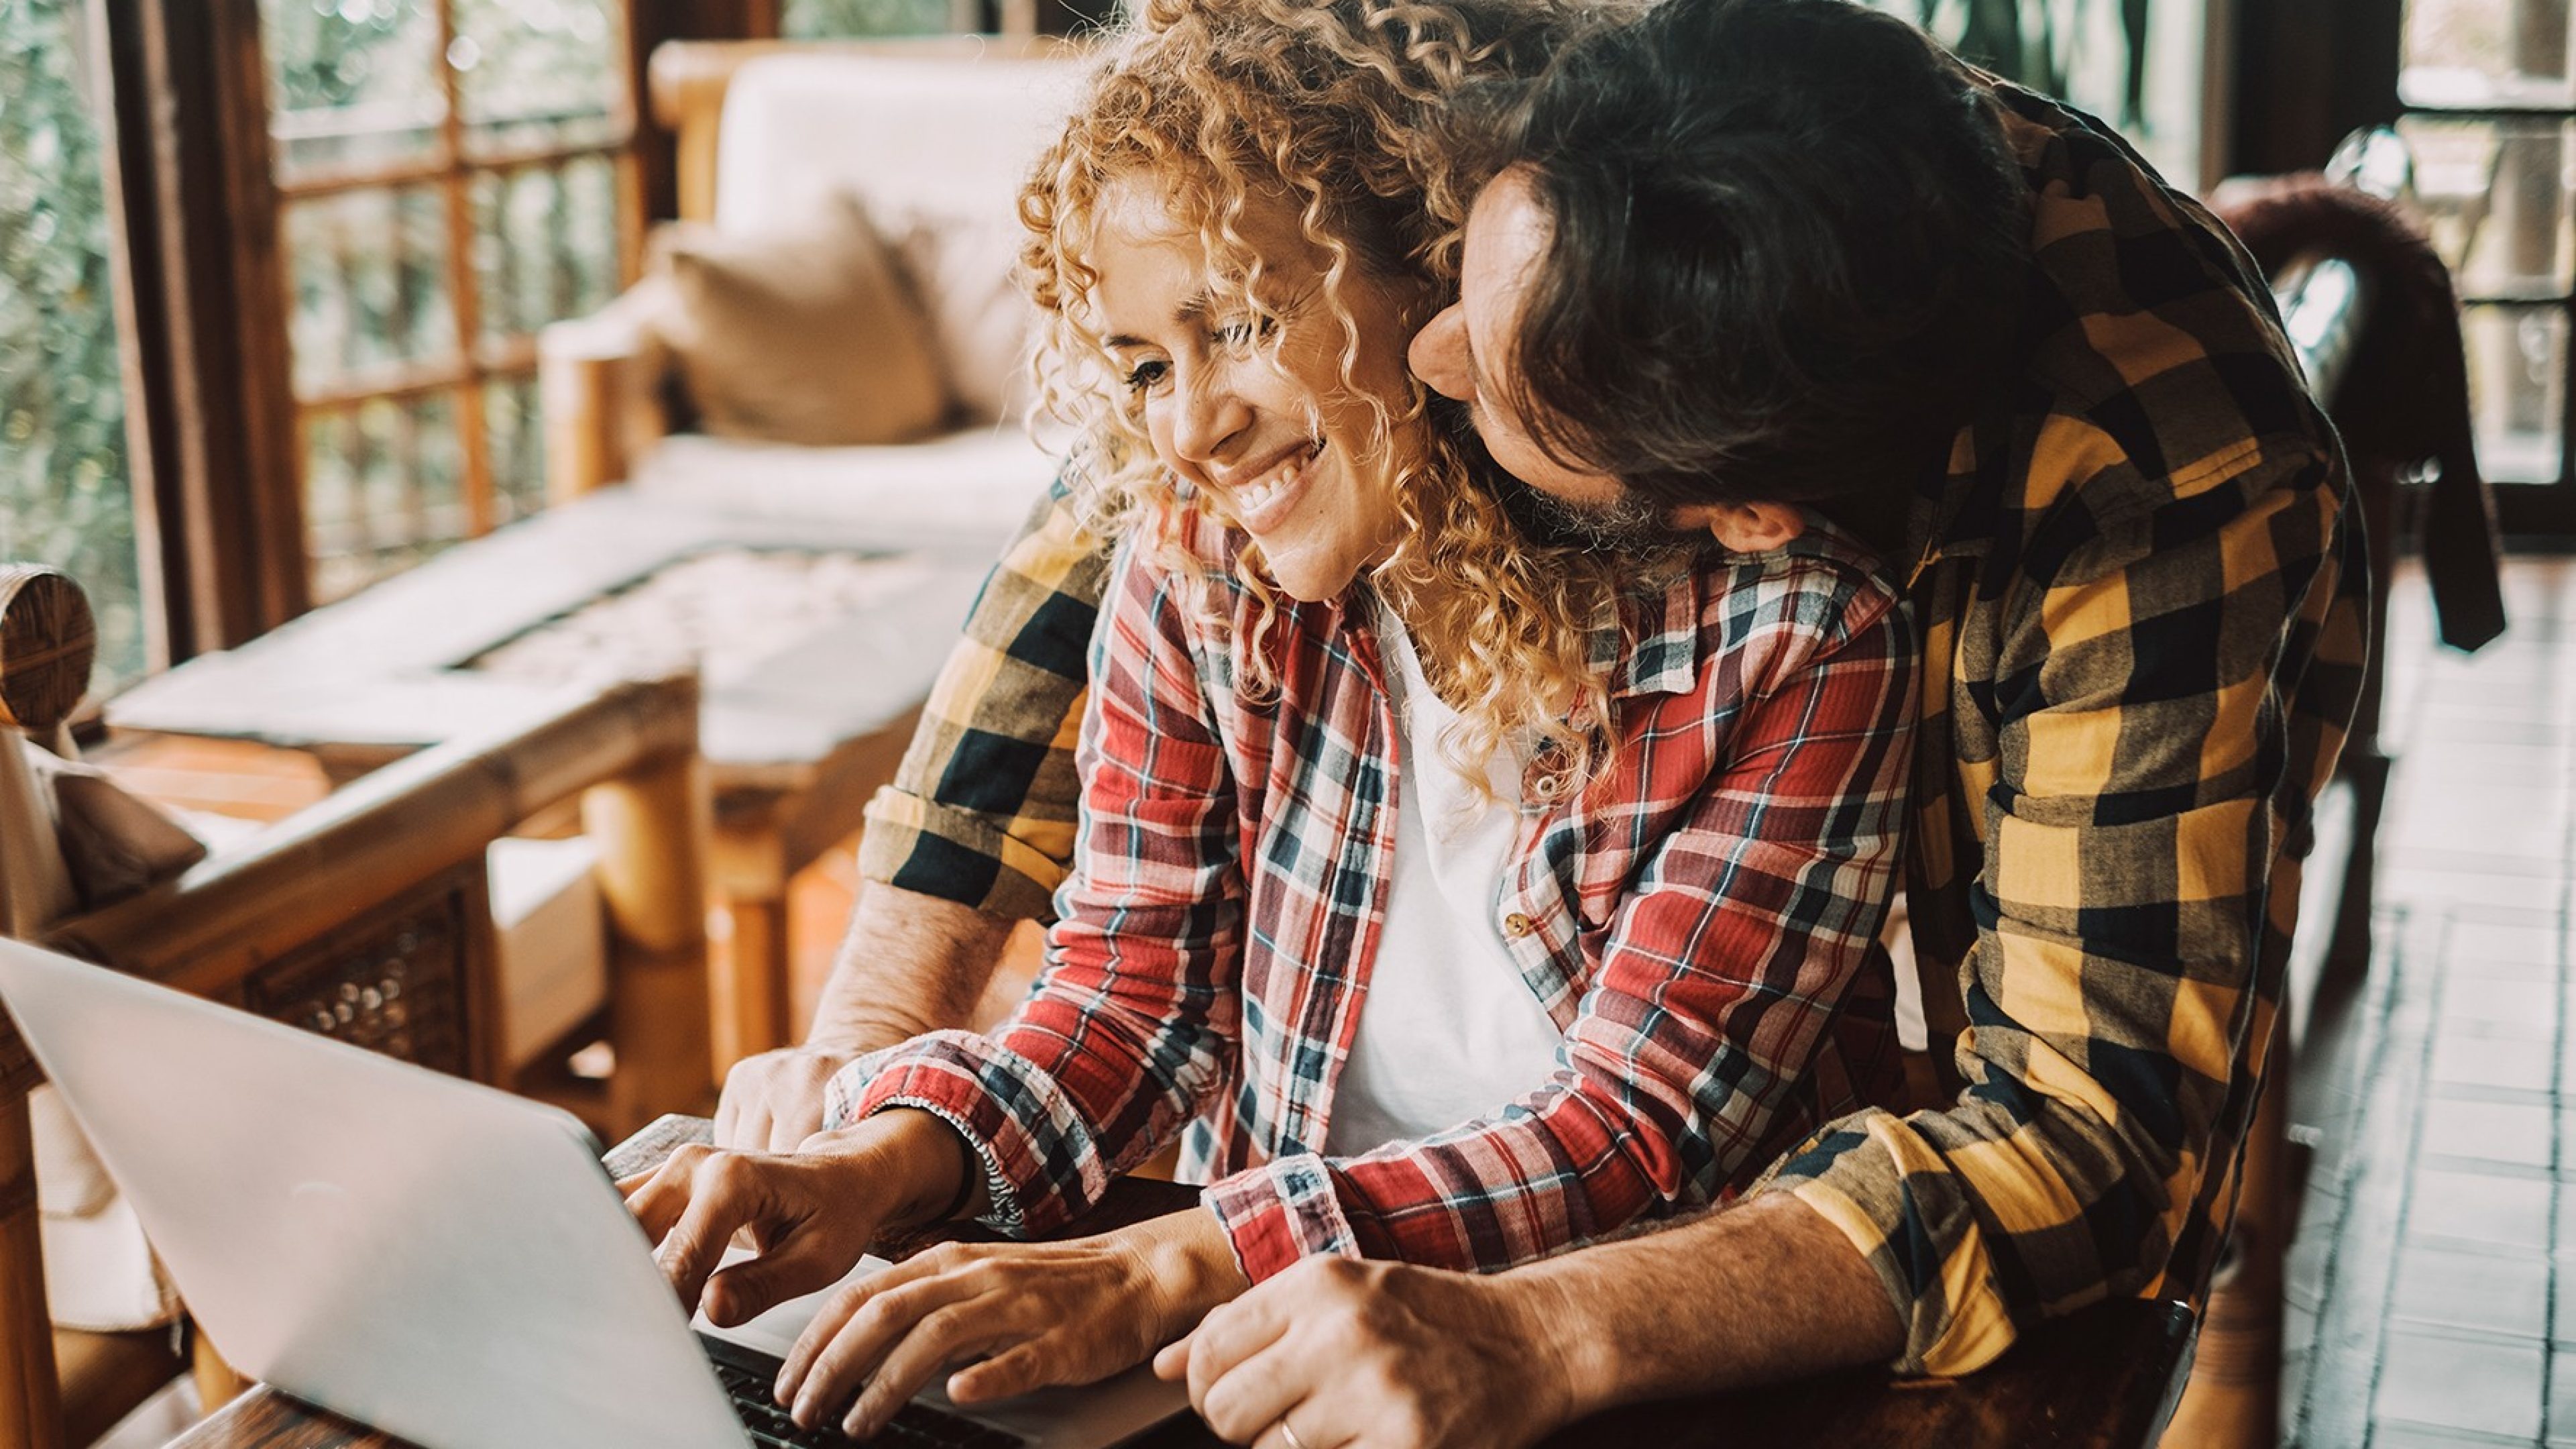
[1254, 498]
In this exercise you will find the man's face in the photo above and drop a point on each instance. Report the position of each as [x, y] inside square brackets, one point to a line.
[1468, 350]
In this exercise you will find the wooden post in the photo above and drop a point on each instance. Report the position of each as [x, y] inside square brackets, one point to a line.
[750, 966]
[31, 1408]
[651, 830]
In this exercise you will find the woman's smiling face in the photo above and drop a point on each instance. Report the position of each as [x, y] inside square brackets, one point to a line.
[1265, 427]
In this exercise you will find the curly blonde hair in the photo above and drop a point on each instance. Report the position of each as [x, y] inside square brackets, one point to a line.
[1335, 107]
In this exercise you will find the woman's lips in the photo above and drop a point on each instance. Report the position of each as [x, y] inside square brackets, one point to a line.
[1267, 500]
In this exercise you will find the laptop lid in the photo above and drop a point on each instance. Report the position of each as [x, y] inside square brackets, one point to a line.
[433, 1258]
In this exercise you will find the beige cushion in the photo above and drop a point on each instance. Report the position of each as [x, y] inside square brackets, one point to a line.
[802, 335]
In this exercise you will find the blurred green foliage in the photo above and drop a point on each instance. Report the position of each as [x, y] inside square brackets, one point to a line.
[65, 493]
[827, 19]
[358, 83]
[2033, 42]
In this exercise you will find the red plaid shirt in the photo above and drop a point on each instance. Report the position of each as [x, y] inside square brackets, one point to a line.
[1695, 920]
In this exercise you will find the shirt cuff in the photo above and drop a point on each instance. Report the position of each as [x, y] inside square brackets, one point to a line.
[1038, 1174]
[1280, 1212]
[917, 844]
[1904, 1211]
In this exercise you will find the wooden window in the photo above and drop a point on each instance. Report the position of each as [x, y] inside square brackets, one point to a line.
[2490, 101]
[452, 175]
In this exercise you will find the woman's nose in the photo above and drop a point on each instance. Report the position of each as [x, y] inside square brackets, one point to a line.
[1208, 411]
[1439, 355]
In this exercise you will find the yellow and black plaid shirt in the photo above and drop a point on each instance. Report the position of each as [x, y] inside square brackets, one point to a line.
[2141, 606]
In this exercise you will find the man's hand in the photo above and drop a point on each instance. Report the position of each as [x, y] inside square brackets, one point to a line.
[811, 1215]
[774, 1101]
[1035, 1314]
[1379, 1356]
[911, 964]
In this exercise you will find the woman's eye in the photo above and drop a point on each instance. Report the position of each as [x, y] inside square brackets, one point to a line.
[1145, 375]
[1246, 332]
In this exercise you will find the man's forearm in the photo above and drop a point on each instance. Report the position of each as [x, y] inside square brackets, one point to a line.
[1753, 1294]
[911, 964]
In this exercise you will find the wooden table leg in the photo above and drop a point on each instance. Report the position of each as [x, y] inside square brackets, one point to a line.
[651, 831]
[752, 963]
[751, 970]
[31, 1407]
[218, 1382]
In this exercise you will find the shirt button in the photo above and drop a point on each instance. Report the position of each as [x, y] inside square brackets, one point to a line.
[1517, 925]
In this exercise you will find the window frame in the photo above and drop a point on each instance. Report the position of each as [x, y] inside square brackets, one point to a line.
[2544, 509]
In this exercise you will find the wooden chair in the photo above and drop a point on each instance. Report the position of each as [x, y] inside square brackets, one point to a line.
[367, 916]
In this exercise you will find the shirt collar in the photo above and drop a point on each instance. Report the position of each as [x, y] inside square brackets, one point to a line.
[1650, 641]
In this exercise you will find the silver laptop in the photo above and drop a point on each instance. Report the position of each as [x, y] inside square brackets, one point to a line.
[433, 1258]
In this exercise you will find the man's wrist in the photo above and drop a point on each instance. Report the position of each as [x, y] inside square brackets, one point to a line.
[1575, 1364]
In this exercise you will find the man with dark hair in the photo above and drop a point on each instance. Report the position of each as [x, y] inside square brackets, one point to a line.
[1755, 256]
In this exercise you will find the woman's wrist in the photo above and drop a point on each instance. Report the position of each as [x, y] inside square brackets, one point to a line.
[1187, 1265]
[933, 1170]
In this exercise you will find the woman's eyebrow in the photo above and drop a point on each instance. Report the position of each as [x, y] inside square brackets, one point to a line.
[1193, 309]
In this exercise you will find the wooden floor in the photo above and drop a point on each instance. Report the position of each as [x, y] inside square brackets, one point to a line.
[2433, 1284]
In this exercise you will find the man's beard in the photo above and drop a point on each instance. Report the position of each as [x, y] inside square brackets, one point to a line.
[1625, 524]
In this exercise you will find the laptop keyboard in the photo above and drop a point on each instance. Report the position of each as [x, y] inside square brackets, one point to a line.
[748, 1375]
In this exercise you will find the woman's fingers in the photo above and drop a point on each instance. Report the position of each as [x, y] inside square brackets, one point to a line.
[657, 1197]
[787, 1267]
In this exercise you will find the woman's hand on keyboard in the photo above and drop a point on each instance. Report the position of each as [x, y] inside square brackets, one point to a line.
[811, 1214]
[1032, 1314]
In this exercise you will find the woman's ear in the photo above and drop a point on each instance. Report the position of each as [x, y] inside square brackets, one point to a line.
[1755, 527]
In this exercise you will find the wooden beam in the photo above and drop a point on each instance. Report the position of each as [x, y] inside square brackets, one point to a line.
[649, 24]
[2307, 73]
[210, 407]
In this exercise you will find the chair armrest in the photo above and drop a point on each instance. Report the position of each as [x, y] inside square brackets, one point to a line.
[385, 834]
[600, 380]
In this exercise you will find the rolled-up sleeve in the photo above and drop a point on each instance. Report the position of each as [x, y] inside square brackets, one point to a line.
[982, 809]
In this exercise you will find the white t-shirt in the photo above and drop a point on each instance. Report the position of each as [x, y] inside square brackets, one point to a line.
[1449, 1031]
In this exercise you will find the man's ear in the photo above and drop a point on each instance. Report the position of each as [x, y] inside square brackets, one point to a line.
[1754, 527]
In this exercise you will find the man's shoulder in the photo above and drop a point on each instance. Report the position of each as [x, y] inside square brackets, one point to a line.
[2157, 367]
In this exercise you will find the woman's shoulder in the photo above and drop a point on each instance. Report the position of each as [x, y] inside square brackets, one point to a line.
[1823, 581]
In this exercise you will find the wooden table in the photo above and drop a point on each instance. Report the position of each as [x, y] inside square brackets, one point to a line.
[2105, 1378]
[795, 741]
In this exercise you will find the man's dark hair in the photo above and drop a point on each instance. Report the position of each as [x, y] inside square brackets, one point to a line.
[1788, 249]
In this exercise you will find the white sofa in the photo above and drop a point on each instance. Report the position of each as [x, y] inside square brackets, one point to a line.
[934, 139]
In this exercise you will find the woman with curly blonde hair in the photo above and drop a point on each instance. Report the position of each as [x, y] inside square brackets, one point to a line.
[1466, 890]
